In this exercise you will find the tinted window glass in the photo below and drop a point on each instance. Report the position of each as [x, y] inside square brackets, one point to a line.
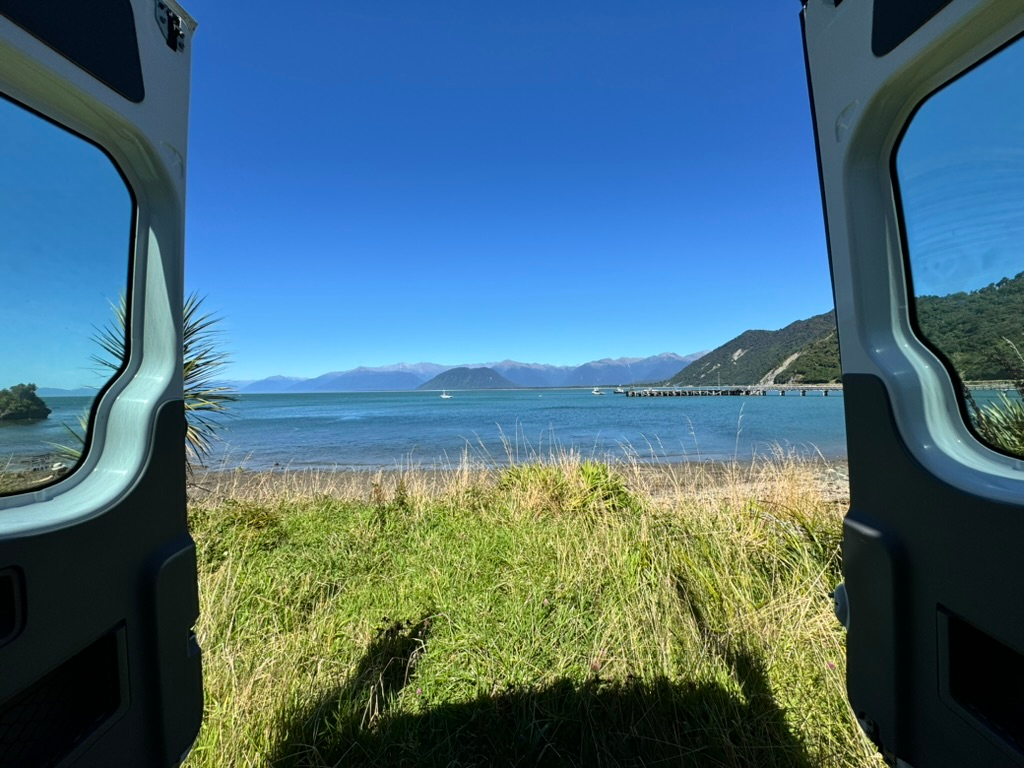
[960, 173]
[103, 44]
[65, 227]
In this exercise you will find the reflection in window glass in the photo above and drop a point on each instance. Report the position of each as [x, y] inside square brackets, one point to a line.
[65, 225]
[960, 172]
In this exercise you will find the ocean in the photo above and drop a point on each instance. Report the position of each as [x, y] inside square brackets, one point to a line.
[406, 429]
[357, 430]
[420, 429]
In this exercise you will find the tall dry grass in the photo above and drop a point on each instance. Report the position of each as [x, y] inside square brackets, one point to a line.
[557, 612]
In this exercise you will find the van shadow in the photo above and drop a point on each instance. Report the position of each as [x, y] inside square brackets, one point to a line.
[567, 723]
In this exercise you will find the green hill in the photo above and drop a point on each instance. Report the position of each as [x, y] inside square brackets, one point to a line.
[468, 378]
[756, 356]
[818, 362]
[968, 328]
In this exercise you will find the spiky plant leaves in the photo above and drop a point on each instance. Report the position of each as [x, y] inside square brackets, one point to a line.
[1001, 424]
[73, 452]
[111, 338]
[203, 355]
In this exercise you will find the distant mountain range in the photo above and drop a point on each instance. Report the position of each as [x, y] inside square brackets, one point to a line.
[57, 392]
[409, 376]
[968, 328]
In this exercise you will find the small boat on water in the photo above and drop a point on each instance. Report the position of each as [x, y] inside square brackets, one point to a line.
[445, 395]
[596, 391]
[620, 391]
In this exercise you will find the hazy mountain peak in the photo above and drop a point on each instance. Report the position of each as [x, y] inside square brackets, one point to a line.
[406, 376]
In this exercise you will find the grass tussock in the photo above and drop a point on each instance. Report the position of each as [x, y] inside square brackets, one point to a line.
[554, 613]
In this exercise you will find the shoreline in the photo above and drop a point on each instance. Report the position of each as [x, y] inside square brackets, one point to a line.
[658, 479]
[662, 480]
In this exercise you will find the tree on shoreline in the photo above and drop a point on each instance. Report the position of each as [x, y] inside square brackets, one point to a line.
[21, 403]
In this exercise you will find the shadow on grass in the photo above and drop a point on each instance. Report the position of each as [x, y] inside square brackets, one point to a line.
[596, 723]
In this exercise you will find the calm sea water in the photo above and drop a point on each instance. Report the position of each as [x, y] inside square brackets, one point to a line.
[21, 442]
[375, 429]
[421, 429]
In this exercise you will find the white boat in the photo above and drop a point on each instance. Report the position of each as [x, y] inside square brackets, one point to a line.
[445, 395]
[620, 391]
[596, 391]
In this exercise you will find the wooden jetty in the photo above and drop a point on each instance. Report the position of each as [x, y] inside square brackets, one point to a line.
[761, 390]
[757, 390]
[1001, 385]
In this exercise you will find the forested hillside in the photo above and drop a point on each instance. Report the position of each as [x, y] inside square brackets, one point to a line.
[970, 329]
[753, 356]
[21, 403]
[818, 362]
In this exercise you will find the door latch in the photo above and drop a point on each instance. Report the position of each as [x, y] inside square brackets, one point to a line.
[170, 26]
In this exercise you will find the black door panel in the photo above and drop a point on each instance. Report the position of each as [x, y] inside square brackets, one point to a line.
[114, 680]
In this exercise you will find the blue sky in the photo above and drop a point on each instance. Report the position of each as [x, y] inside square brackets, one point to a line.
[376, 183]
[458, 184]
[65, 219]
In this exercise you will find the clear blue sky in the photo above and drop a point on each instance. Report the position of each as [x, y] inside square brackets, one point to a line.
[373, 183]
[545, 182]
[65, 238]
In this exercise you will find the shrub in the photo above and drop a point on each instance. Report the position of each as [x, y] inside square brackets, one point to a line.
[1001, 424]
[21, 402]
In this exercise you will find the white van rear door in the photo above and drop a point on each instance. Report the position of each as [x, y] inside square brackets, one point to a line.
[919, 119]
[97, 569]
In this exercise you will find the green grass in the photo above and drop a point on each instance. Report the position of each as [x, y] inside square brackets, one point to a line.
[559, 613]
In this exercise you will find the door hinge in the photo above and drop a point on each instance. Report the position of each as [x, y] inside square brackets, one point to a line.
[171, 27]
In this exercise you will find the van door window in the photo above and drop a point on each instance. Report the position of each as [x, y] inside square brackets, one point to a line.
[960, 176]
[66, 218]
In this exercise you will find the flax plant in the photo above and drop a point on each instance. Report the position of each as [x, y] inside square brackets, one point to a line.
[204, 357]
[1001, 424]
